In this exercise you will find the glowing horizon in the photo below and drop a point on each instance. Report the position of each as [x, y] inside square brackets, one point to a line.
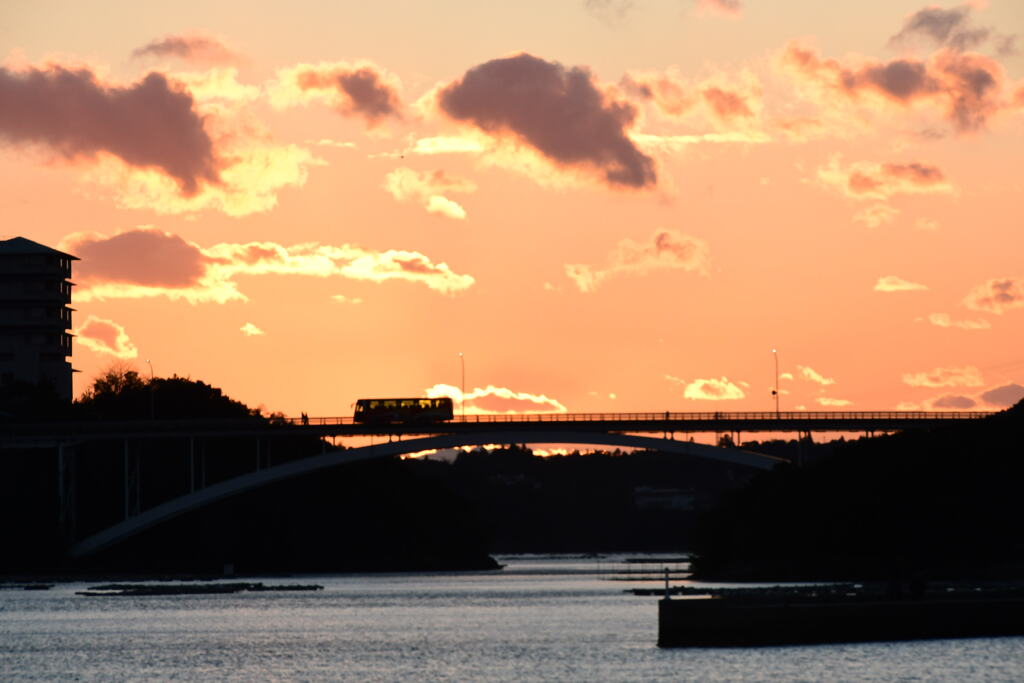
[607, 206]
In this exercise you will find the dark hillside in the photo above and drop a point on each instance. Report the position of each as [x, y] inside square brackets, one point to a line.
[942, 503]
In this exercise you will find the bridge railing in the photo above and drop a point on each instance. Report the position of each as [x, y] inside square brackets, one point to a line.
[675, 421]
[793, 415]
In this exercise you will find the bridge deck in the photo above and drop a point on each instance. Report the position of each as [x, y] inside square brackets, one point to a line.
[532, 425]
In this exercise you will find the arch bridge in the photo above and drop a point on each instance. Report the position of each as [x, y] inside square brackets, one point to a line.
[604, 429]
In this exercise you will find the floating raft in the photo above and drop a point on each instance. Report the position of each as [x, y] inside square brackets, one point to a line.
[129, 589]
[778, 617]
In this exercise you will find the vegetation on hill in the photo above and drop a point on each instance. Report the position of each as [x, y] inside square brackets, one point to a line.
[939, 503]
[369, 517]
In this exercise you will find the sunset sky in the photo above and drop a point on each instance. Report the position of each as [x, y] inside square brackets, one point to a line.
[605, 205]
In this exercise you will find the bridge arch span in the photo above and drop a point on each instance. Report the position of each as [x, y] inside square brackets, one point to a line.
[248, 482]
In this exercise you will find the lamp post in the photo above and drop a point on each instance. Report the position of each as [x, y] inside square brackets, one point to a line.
[462, 395]
[775, 392]
[152, 402]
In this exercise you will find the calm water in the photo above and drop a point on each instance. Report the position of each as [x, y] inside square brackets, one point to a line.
[540, 619]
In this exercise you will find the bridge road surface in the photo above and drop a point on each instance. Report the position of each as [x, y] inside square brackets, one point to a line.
[531, 427]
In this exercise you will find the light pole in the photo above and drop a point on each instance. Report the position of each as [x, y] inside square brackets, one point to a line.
[775, 392]
[152, 401]
[462, 395]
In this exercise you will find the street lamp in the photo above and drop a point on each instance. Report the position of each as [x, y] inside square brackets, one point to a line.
[462, 396]
[775, 392]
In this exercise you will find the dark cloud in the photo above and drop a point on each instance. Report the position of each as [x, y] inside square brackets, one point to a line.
[194, 48]
[1004, 396]
[364, 91]
[950, 28]
[970, 85]
[140, 257]
[958, 402]
[667, 93]
[151, 124]
[559, 112]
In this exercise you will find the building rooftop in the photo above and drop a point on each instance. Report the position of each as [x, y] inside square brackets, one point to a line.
[20, 245]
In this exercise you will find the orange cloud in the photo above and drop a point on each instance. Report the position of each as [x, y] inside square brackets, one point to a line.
[143, 263]
[105, 336]
[405, 184]
[996, 295]
[250, 330]
[709, 389]
[731, 103]
[870, 180]
[876, 215]
[727, 105]
[968, 87]
[968, 376]
[493, 400]
[945, 320]
[196, 48]
[152, 124]
[559, 113]
[666, 249]
[811, 375]
[892, 283]
[362, 89]
[833, 402]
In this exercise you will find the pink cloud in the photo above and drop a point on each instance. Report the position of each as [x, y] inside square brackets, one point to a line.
[954, 402]
[997, 295]
[1004, 396]
[950, 28]
[106, 337]
[667, 249]
[728, 8]
[729, 103]
[145, 263]
[969, 87]
[151, 124]
[869, 180]
[560, 113]
[194, 48]
[968, 376]
[142, 256]
[362, 89]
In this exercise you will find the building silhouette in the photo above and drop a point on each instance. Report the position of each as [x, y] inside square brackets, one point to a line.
[35, 315]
